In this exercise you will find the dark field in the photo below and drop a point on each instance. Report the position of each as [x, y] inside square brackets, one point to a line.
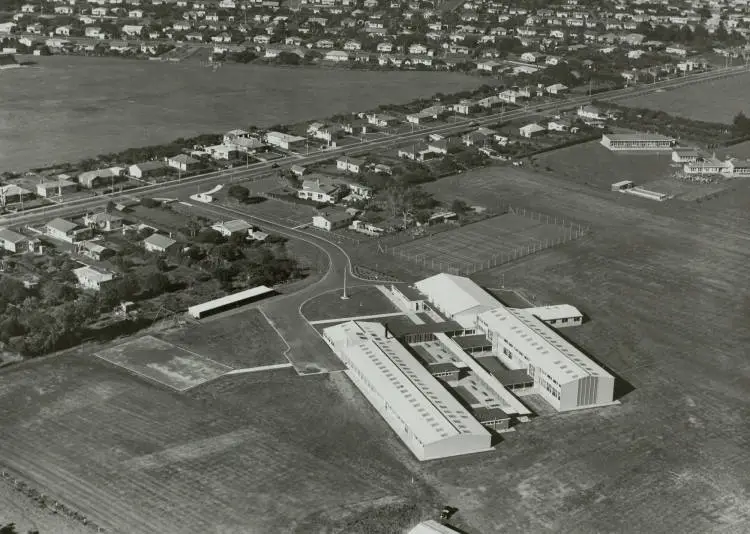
[260, 453]
[240, 340]
[712, 101]
[72, 107]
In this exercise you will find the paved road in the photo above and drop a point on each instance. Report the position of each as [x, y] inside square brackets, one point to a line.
[307, 351]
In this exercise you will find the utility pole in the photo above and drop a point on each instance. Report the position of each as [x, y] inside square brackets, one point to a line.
[344, 296]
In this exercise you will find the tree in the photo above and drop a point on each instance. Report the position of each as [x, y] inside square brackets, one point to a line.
[239, 193]
[459, 207]
[741, 125]
[156, 283]
[209, 235]
[10, 528]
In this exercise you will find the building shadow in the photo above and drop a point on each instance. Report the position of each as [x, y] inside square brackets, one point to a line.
[622, 386]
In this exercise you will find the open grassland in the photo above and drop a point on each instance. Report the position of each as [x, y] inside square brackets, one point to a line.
[487, 243]
[259, 453]
[163, 362]
[592, 165]
[363, 300]
[240, 340]
[71, 107]
[711, 101]
[665, 286]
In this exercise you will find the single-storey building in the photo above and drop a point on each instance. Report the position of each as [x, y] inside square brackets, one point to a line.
[62, 229]
[637, 141]
[91, 278]
[147, 169]
[233, 227]
[13, 241]
[321, 189]
[530, 130]
[99, 177]
[331, 220]
[53, 188]
[350, 164]
[183, 162]
[103, 221]
[285, 141]
[158, 243]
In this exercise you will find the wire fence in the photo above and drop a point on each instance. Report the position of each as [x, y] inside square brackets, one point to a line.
[484, 256]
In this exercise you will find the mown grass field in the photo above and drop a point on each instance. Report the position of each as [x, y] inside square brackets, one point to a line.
[363, 300]
[240, 340]
[712, 101]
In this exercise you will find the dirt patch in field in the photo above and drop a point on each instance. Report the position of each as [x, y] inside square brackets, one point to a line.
[163, 362]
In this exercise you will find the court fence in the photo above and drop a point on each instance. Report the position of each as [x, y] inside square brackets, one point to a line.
[570, 231]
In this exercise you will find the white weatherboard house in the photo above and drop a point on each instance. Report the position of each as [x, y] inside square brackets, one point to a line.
[158, 243]
[90, 278]
[427, 418]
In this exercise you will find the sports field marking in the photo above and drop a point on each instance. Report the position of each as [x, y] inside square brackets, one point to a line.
[163, 362]
[357, 318]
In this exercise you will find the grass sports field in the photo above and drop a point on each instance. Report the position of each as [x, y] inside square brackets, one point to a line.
[487, 243]
[699, 101]
[241, 340]
[594, 166]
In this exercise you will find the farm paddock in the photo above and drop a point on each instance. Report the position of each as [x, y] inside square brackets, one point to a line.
[264, 452]
[488, 243]
[699, 101]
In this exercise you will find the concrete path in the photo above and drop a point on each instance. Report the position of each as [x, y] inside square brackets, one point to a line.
[260, 368]
[411, 315]
[358, 318]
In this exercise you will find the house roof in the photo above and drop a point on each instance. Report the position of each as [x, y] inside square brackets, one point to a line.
[432, 527]
[236, 225]
[183, 158]
[159, 241]
[335, 216]
[11, 236]
[149, 165]
[92, 274]
[62, 225]
[10, 190]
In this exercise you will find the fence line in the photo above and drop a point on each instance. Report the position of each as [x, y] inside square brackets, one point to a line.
[572, 231]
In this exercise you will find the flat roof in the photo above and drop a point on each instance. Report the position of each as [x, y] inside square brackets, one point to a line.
[637, 136]
[542, 345]
[428, 409]
[469, 342]
[484, 414]
[410, 292]
[402, 328]
[554, 312]
[229, 299]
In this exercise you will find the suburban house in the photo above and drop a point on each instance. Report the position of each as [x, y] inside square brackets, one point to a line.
[11, 193]
[382, 120]
[332, 220]
[90, 278]
[233, 227]
[95, 251]
[53, 188]
[147, 169]
[98, 177]
[530, 130]
[591, 113]
[350, 164]
[158, 243]
[556, 89]
[63, 230]
[428, 114]
[531, 57]
[242, 140]
[464, 107]
[561, 125]
[183, 162]
[13, 241]
[320, 189]
[359, 190]
[285, 141]
[103, 221]
[326, 133]
[223, 152]
[298, 170]
[337, 56]
[367, 228]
